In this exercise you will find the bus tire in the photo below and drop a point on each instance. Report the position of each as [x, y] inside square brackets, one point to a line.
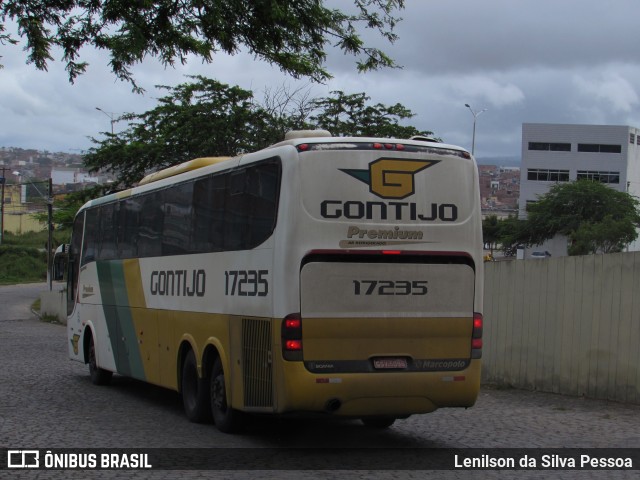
[195, 395]
[99, 376]
[227, 419]
[378, 422]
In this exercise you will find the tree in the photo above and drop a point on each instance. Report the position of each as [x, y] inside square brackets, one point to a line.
[66, 207]
[288, 109]
[208, 118]
[595, 217]
[490, 231]
[292, 34]
[511, 234]
[349, 115]
[199, 119]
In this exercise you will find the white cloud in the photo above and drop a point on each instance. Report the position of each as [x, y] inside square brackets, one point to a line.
[609, 89]
[486, 91]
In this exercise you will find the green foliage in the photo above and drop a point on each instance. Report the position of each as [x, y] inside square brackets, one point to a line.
[208, 118]
[595, 217]
[506, 233]
[512, 234]
[66, 207]
[607, 236]
[491, 230]
[292, 34]
[27, 240]
[23, 258]
[22, 265]
[349, 115]
[200, 119]
[36, 239]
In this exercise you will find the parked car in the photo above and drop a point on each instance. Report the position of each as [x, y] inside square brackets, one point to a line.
[544, 254]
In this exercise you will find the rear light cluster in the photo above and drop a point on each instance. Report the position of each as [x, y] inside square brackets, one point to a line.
[388, 146]
[476, 336]
[292, 337]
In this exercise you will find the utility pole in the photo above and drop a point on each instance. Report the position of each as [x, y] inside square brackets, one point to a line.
[2, 182]
[50, 237]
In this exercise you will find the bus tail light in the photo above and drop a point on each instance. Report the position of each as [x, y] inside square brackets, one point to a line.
[292, 337]
[476, 336]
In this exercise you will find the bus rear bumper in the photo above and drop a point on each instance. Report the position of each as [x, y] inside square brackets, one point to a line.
[369, 394]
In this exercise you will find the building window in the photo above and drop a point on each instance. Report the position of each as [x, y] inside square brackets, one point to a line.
[553, 147]
[546, 175]
[604, 177]
[632, 138]
[599, 148]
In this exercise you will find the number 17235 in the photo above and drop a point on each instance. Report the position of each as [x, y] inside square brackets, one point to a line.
[246, 283]
[390, 287]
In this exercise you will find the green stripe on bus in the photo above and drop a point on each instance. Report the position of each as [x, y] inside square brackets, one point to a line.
[122, 333]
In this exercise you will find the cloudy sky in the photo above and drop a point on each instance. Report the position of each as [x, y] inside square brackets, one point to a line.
[548, 61]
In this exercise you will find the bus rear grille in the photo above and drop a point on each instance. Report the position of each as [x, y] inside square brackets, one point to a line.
[256, 363]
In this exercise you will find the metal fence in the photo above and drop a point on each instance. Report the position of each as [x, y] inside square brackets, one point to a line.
[568, 325]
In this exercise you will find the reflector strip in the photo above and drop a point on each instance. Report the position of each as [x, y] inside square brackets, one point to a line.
[328, 380]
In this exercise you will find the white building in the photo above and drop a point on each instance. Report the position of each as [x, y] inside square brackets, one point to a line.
[65, 175]
[554, 153]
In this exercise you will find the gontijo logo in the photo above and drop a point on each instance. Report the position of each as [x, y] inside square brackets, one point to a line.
[391, 178]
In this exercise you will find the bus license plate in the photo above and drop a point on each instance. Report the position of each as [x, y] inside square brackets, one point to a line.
[389, 363]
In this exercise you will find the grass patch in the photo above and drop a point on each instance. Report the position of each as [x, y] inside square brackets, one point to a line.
[24, 257]
[22, 265]
[36, 239]
[49, 318]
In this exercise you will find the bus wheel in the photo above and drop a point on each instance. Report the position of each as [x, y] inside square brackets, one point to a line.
[378, 422]
[99, 376]
[227, 419]
[195, 396]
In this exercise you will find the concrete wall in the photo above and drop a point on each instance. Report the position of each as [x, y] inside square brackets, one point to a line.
[54, 303]
[568, 325]
[22, 223]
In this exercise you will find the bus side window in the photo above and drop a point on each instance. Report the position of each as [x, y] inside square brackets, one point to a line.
[73, 262]
[262, 193]
[237, 211]
[108, 231]
[91, 236]
[149, 234]
[178, 212]
[128, 221]
[208, 214]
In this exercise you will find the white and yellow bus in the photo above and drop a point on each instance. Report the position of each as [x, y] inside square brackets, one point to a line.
[322, 274]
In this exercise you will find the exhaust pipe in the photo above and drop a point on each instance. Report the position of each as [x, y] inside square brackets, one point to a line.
[332, 405]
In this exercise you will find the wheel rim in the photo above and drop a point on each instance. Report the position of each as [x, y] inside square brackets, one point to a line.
[218, 394]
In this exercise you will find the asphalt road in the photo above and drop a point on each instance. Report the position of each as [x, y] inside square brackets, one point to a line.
[48, 402]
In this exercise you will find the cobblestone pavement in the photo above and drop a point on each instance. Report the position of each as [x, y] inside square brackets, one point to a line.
[47, 401]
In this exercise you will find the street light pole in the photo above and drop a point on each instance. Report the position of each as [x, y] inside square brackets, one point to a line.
[110, 115]
[2, 181]
[50, 234]
[475, 116]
